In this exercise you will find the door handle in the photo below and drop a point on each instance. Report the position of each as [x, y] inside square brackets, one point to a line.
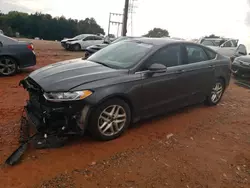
[211, 66]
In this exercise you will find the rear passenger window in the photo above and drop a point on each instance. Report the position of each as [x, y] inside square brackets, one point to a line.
[195, 54]
[211, 54]
[98, 38]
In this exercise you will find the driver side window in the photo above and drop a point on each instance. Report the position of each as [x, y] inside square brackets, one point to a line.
[169, 56]
[87, 38]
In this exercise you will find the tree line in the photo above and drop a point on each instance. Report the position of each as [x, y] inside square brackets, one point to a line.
[45, 26]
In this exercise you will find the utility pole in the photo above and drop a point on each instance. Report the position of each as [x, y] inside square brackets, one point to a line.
[125, 18]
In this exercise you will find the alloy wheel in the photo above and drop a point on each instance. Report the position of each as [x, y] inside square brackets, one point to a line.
[112, 120]
[217, 92]
[7, 66]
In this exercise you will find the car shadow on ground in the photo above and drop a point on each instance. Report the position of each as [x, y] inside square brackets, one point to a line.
[87, 138]
[242, 82]
[166, 114]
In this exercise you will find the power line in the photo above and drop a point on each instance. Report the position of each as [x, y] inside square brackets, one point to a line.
[114, 22]
[131, 11]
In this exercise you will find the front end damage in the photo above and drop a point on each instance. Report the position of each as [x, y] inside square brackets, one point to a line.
[53, 117]
[50, 122]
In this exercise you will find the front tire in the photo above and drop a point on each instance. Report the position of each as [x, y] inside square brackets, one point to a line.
[8, 66]
[110, 120]
[216, 93]
[77, 47]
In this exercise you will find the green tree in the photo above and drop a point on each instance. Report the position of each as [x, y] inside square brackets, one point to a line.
[212, 36]
[157, 33]
[45, 26]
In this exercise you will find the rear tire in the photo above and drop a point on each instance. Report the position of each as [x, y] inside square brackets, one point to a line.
[8, 66]
[216, 93]
[109, 120]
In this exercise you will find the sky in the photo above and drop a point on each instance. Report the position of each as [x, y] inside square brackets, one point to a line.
[182, 18]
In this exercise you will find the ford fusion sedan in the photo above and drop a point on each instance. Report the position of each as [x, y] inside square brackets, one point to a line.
[123, 83]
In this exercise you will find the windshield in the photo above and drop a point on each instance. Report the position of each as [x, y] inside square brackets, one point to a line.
[120, 39]
[121, 55]
[79, 37]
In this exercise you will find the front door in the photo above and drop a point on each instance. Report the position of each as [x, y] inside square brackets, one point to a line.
[164, 91]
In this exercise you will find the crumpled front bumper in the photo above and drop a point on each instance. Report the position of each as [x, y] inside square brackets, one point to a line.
[52, 119]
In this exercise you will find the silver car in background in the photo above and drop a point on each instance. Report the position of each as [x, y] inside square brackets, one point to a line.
[231, 48]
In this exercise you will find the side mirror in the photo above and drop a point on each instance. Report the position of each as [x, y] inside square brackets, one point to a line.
[157, 68]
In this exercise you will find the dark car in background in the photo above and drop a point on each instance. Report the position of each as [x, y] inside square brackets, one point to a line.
[94, 48]
[241, 66]
[123, 83]
[15, 55]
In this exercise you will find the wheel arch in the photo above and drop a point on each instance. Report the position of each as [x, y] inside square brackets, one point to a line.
[223, 79]
[116, 96]
[10, 56]
[121, 97]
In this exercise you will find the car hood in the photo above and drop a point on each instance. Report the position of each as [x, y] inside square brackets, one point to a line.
[99, 46]
[66, 40]
[244, 58]
[67, 75]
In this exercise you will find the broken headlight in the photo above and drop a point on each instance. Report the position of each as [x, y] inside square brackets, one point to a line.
[67, 96]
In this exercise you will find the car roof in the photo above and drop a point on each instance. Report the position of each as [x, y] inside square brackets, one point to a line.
[159, 41]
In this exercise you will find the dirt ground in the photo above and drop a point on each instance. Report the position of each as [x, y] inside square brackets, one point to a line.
[194, 147]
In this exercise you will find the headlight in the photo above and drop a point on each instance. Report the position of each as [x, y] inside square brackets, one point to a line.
[67, 96]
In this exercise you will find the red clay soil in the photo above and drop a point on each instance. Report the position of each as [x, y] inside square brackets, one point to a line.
[196, 147]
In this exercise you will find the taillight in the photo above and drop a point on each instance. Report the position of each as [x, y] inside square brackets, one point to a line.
[30, 46]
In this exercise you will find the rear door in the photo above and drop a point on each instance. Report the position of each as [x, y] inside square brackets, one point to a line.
[98, 40]
[87, 41]
[199, 67]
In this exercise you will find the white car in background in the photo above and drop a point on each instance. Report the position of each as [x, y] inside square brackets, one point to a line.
[86, 41]
[231, 48]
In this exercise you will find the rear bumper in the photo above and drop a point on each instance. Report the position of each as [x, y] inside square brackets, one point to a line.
[28, 60]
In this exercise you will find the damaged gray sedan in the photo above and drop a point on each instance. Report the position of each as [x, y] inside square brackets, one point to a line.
[123, 83]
